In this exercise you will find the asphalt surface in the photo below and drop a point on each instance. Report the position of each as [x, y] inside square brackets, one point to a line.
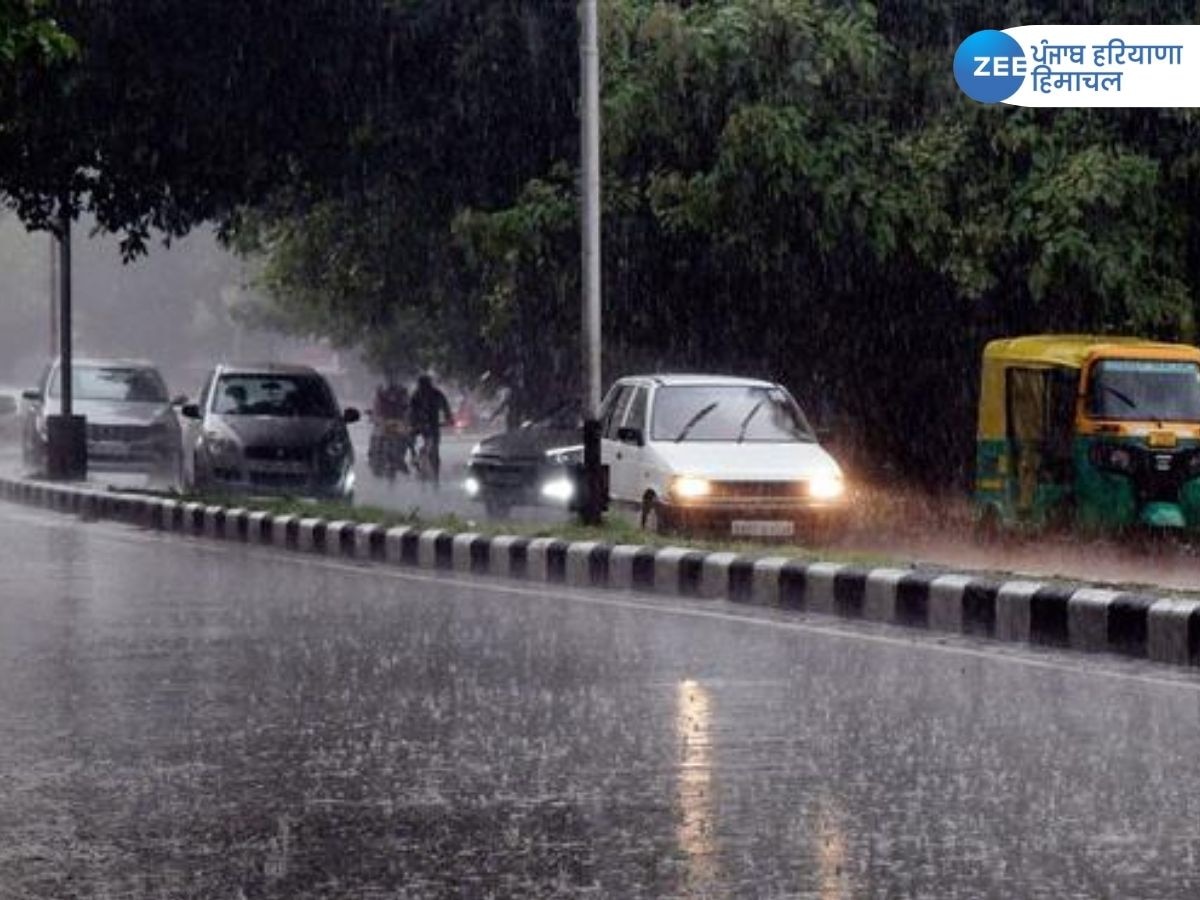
[189, 719]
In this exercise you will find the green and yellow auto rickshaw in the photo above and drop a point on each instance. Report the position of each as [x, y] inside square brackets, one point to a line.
[1103, 432]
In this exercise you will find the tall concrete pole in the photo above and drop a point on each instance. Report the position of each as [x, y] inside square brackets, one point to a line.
[66, 433]
[53, 295]
[589, 56]
[590, 61]
[66, 374]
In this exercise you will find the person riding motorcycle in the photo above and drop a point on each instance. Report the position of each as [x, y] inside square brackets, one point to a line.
[429, 410]
[391, 412]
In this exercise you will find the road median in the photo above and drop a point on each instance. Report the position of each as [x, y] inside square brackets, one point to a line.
[1052, 613]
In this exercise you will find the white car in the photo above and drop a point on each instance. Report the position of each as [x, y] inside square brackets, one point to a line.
[735, 453]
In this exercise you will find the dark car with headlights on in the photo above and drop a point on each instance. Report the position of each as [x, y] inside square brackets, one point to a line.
[269, 429]
[131, 422]
[527, 466]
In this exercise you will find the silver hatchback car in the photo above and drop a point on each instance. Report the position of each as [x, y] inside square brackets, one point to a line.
[269, 429]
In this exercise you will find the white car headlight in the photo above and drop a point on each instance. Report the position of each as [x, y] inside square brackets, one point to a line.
[471, 486]
[827, 486]
[689, 487]
[559, 490]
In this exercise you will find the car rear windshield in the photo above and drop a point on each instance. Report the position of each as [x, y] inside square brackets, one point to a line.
[293, 396]
[1145, 390]
[752, 413]
[123, 384]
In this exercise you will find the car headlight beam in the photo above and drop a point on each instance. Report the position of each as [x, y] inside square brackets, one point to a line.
[559, 489]
[689, 487]
[827, 486]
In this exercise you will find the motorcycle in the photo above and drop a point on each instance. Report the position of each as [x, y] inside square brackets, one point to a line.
[391, 442]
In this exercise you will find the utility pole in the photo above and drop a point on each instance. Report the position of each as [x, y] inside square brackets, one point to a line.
[53, 295]
[66, 433]
[594, 488]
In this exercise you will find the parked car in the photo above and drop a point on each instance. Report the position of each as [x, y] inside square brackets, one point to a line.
[526, 466]
[131, 422]
[715, 451]
[269, 429]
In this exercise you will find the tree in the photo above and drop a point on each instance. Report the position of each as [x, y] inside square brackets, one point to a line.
[174, 113]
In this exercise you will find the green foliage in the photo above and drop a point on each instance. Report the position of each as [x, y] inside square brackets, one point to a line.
[792, 188]
[29, 36]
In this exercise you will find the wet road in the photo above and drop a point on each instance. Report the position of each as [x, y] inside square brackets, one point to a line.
[189, 720]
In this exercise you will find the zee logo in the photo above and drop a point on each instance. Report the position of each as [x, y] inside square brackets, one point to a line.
[990, 66]
[1000, 66]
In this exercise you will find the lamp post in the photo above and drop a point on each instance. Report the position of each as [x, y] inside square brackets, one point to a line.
[594, 488]
[66, 433]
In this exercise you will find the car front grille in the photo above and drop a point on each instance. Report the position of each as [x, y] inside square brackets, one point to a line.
[121, 432]
[279, 454]
[507, 474]
[759, 490]
[278, 479]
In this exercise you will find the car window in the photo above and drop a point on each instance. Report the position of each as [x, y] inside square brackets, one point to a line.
[636, 416]
[273, 395]
[125, 384]
[749, 413]
[616, 412]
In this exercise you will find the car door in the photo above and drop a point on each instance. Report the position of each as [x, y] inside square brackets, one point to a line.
[191, 431]
[628, 480]
[612, 414]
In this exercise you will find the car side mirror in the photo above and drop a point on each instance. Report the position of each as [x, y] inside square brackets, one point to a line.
[350, 415]
[629, 435]
[33, 396]
[179, 400]
[190, 411]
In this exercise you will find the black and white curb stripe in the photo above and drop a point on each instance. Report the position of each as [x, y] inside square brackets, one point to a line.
[1158, 628]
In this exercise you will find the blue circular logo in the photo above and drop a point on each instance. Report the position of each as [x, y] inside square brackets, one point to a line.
[990, 66]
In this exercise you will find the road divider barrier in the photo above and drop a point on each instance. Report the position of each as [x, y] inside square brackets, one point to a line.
[1163, 629]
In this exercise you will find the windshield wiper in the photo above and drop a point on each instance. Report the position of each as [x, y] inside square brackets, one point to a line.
[1120, 395]
[746, 421]
[692, 422]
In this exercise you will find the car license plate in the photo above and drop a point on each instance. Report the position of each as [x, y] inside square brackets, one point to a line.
[762, 528]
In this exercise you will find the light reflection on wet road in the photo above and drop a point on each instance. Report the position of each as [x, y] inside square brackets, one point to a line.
[184, 719]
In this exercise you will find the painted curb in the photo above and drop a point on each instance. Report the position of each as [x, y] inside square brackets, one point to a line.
[1079, 617]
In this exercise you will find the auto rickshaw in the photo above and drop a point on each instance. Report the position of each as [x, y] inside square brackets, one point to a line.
[1101, 432]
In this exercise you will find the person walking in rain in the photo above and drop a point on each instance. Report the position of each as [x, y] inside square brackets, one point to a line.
[429, 411]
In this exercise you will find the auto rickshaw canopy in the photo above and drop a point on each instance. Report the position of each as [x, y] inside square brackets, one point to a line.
[1064, 351]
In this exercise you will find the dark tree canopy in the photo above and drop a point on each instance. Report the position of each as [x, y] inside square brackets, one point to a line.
[177, 112]
[793, 188]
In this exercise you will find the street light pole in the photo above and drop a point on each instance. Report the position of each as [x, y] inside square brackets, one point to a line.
[65, 356]
[66, 433]
[53, 295]
[594, 488]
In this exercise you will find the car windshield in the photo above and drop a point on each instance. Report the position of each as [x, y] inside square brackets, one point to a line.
[125, 384]
[756, 414]
[1145, 390]
[291, 396]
